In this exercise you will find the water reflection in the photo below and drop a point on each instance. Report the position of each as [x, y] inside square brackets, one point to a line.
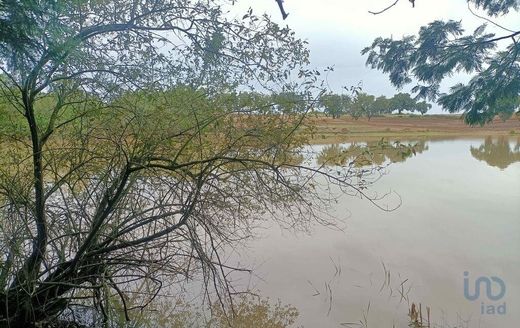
[248, 310]
[448, 223]
[497, 152]
[369, 153]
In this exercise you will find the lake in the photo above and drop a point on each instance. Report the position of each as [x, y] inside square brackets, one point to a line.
[459, 213]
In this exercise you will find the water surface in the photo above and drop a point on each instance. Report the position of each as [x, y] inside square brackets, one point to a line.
[460, 212]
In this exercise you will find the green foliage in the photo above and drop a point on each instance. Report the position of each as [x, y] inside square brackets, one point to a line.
[335, 105]
[363, 104]
[496, 7]
[382, 105]
[441, 49]
[423, 107]
[127, 152]
[402, 102]
[289, 102]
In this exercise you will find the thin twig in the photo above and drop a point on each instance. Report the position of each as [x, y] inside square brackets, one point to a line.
[488, 20]
[382, 11]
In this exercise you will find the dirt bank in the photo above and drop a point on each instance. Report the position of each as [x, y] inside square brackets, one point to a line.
[404, 126]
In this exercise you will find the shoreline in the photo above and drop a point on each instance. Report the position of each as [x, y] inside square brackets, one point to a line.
[345, 129]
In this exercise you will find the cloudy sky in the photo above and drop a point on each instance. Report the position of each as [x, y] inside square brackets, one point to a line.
[337, 30]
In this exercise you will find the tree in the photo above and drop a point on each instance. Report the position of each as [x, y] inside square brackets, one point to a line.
[132, 159]
[442, 49]
[335, 105]
[288, 102]
[363, 105]
[401, 102]
[422, 107]
[382, 105]
[249, 101]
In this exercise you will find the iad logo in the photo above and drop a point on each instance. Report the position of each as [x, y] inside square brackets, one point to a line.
[492, 294]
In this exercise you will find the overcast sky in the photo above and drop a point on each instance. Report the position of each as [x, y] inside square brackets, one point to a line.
[337, 30]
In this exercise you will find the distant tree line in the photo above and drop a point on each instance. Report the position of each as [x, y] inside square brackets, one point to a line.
[363, 104]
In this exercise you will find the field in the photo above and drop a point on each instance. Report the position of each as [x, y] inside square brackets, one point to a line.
[330, 130]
